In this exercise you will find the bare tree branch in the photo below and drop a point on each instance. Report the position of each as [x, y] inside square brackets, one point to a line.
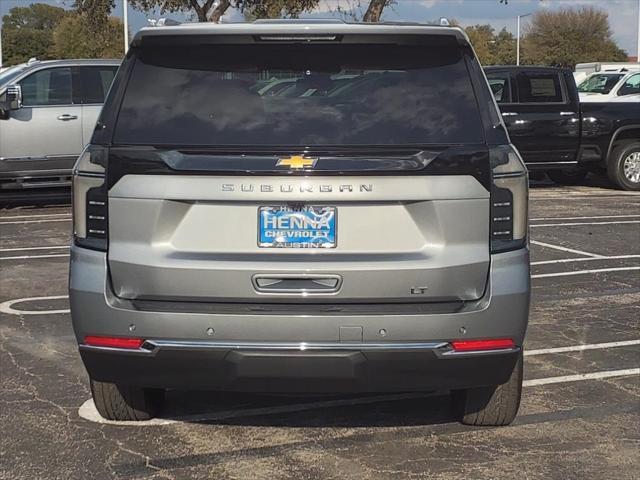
[374, 10]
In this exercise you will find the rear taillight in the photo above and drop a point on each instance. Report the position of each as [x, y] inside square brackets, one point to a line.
[113, 342]
[509, 199]
[482, 345]
[90, 215]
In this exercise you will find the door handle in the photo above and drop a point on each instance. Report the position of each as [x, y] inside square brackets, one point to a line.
[66, 117]
[296, 284]
[509, 114]
[567, 114]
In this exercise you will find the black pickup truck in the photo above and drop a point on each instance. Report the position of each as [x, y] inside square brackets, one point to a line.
[557, 134]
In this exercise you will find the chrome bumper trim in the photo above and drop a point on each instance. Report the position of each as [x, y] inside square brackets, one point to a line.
[150, 346]
[291, 346]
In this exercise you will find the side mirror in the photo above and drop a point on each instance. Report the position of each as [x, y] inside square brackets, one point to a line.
[13, 97]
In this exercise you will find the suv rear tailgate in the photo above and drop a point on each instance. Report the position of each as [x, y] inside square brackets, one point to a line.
[411, 238]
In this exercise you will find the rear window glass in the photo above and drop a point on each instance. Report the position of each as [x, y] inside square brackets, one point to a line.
[539, 87]
[500, 86]
[299, 95]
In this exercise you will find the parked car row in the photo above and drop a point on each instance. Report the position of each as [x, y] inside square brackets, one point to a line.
[48, 111]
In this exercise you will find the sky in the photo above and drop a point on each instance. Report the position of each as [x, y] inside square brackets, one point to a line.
[623, 14]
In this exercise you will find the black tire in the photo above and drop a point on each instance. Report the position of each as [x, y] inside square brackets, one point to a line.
[616, 165]
[120, 402]
[568, 177]
[491, 406]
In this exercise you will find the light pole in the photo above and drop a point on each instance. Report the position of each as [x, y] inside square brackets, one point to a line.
[125, 19]
[638, 50]
[518, 38]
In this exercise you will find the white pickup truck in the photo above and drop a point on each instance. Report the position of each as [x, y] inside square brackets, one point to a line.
[611, 87]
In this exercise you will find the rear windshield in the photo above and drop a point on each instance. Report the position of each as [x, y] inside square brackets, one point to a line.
[299, 95]
[599, 83]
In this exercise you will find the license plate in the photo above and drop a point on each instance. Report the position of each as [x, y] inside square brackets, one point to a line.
[304, 226]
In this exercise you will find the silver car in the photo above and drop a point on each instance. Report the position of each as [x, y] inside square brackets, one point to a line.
[373, 240]
[48, 111]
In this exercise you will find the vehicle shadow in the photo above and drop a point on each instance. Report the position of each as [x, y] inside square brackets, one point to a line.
[377, 423]
[540, 181]
[346, 411]
[35, 198]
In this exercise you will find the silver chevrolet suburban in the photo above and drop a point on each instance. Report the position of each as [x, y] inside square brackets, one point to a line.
[362, 230]
[48, 111]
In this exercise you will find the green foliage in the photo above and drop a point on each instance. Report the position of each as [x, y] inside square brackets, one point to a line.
[275, 8]
[78, 37]
[96, 12]
[28, 32]
[38, 16]
[210, 11]
[492, 48]
[569, 36]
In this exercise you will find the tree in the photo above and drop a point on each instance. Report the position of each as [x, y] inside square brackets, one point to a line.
[569, 36]
[95, 12]
[481, 37]
[204, 10]
[375, 9]
[492, 48]
[28, 32]
[355, 11]
[504, 48]
[77, 37]
[275, 8]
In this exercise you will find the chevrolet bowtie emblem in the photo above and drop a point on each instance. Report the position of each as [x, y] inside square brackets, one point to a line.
[296, 162]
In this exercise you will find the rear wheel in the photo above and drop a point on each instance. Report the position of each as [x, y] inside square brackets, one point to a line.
[120, 402]
[568, 177]
[491, 406]
[623, 166]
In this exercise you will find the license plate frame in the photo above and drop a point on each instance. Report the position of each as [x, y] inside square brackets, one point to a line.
[309, 212]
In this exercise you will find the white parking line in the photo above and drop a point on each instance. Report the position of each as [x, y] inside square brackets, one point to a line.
[584, 272]
[588, 259]
[581, 195]
[25, 249]
[36, 216]
[7, 307]
[583, 218]
[37, 221]
[583, 223]
[580, 348]
[565, 249]
[29, 257]
[582, 376]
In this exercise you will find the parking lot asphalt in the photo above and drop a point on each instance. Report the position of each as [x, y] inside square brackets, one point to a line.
[578, 419]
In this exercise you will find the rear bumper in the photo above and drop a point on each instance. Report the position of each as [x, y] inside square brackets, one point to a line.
[300, 352]
[330, 368]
